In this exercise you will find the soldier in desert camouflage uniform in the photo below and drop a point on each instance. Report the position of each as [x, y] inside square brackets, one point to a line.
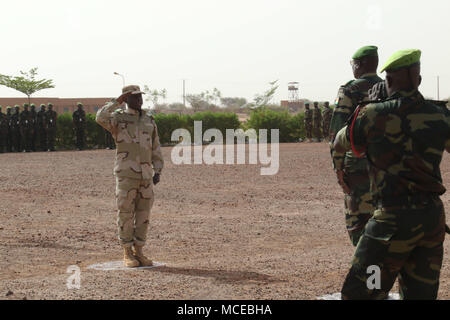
[138, 149]
[404, 139]
[358, 202]
[308, 119]
[317, 122]
[327, 114]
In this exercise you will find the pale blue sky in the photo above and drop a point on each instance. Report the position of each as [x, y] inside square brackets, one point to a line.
[236, 46]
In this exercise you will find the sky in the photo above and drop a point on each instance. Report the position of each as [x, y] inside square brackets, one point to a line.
[237, 46]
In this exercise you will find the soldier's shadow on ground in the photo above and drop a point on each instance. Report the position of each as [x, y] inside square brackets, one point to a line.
[220, 275]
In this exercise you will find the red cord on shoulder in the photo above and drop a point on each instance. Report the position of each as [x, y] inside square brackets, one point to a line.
[358, 153]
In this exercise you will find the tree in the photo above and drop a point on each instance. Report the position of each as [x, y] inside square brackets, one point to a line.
[154, 95]
[264, 99]
[26, 83]
[233, 103]
[204, 100]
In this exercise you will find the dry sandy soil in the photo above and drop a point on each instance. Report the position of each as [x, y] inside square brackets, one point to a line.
[224, 232]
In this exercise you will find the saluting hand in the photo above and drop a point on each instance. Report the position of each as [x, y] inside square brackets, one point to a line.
[123, 97]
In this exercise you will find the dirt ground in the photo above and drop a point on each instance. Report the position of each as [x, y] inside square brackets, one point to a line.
[224, 232]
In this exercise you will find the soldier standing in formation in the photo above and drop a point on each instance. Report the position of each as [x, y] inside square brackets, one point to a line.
[15, 129]
[79, 120]
[33, 116]
[25, 128]
[353, 170]
[404, 137]
[308, 122]
[317, 122]
[327, 114]
[41, 128]
[9, 140]
[50, 124]
[3, 131]
[138, 149]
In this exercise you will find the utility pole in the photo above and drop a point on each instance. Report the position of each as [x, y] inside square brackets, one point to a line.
[184, 93]
[438, 87]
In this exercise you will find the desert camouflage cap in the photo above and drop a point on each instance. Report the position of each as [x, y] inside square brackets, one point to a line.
[402, 59]
[133, 89]
[365, 51]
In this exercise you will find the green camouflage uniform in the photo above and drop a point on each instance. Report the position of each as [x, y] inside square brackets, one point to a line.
[358, 206]
[15, 129]
[308, 120]
[404, 139]
[9, 140]
[41, 125]
[3, 131]
[79, 122]
[327, 114]
[26, 127]
[50, 124]
[317, 122]
[33, 138]
[138, 149]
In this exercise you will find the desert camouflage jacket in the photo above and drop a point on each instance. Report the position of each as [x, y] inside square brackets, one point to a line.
[349, 97]
[137, 141]
[404, 139]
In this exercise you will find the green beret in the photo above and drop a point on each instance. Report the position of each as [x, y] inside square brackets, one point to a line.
[365, 51]
[25, 104]
[402, 59]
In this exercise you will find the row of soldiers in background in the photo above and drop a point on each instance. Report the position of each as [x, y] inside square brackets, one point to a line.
[317, 125]
[27, 130]
[30, 131]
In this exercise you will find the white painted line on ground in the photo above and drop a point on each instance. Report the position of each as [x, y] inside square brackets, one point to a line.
[118, 265]
[337, 296]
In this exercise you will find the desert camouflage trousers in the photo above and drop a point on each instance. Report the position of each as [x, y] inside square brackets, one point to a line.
[359, 206]
[402, 242]
[134, 201]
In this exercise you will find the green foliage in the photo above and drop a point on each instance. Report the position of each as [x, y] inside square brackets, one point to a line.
[291, 127]
[167, 123]
[65, 135]
[26, 83]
